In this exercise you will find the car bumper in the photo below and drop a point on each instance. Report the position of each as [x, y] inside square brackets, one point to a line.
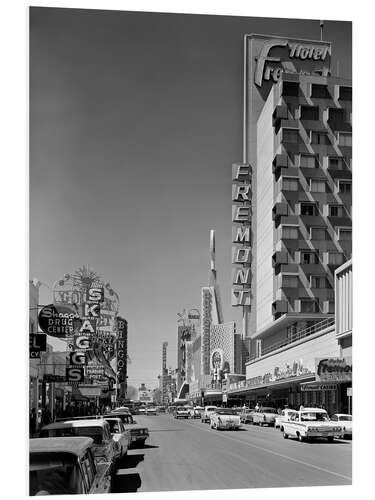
[322, 434]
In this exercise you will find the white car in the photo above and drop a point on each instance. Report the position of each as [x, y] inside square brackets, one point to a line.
[346, 423]
[206, 414]
[120, 435]
[225, 418]
[311, 423]
[283, 417]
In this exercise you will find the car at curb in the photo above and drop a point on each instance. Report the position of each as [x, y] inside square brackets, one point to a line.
[120, 435]
[206, 414]
[246, 416]
[138, 433]
[225, 418]
[66, 466]
[311, 423]
[283, 417]
[182, 413]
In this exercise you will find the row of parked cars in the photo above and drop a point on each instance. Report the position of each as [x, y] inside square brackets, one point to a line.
[78, 455]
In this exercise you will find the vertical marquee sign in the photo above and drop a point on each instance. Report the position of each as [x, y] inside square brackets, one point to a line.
[241, 218]
[122, 354]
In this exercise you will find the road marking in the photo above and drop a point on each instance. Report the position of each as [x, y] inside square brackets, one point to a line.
[275, 453]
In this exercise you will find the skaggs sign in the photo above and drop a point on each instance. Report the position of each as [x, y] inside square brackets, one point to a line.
[334, 369]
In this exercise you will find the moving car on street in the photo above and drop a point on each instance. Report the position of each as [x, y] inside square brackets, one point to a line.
[151, 410]
[225, 418]
[66, 466]
[138, 433]
[104, 447]
[345, 421]
[194, 413]
[206, 414]
[264, 416]
[120, 435]
[246, 415]
[181, 412]
[311, 423]
[283, 417]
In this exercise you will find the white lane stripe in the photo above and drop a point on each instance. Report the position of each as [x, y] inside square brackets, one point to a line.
[276, 454]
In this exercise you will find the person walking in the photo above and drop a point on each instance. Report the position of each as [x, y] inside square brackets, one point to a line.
[32, 423]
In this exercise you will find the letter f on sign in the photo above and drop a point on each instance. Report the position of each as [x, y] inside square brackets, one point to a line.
[263, 57]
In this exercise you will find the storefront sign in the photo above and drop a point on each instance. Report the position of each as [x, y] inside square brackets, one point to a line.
[241, 218]
[59, 320]
[37, 344]
[75, 374]
[318, 387]
[122, 354]
[334, 369]
[77, 358]
[49, 377]
[217, 359]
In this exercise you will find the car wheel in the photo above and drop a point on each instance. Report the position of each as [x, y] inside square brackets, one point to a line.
[285, 435]
[300, 438]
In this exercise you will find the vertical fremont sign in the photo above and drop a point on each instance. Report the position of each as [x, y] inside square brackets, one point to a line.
[241, 237]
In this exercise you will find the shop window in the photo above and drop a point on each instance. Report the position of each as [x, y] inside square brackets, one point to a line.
[320, 91]
[289, 232]
[309, 113]
[317, 186]
[289, 184]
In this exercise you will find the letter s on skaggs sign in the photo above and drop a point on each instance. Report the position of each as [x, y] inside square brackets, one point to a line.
[75, 374]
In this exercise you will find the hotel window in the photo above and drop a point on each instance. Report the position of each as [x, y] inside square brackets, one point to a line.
[335, 162]
[289, 184]
[335, 258]
[318, 282]
[309, 258]
[319, 138]
[336, 211]
[317, 186]
[309, 306]
[320, 91]
[344, 139]
[309, 113]
[345, 234]
[309, 209]
[290, 89]
[345, 187]
[345, 93]
[289, 232]
[307, 161]
[318, 233]
[291, 136]
[289, 281]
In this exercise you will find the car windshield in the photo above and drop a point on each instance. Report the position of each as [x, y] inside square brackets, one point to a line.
[127, 419]
[226, 412]
[347, 418]
[268, 410]
[314, 416]
[54, 474]
[211, 408]
[114, 426]
[96, 433]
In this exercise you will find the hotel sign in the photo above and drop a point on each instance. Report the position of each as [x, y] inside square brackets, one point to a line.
[334, 369]
[241, 218]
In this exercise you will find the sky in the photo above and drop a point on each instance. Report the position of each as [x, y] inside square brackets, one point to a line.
[135, 120]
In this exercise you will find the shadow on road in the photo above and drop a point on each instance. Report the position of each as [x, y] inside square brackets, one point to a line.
[166, 430]
[126, 483]
[146, 446]
[129, 461]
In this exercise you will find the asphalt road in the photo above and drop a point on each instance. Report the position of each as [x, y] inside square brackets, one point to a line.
[187, 455]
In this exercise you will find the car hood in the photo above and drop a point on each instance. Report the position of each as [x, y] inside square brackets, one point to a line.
[322, 425]
[131, 427]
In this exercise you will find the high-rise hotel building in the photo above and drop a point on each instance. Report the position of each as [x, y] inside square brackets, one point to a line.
[298, 144]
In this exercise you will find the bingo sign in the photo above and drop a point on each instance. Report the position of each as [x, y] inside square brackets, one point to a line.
[59, 320]
[122, 347]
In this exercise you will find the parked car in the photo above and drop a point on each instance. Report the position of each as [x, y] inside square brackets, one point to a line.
[66, 466]
[151, 411]
[246, 415]
[81, 417]
[311, 423]
[206, 414]
[138, 433]
[104, 447]
[120, 435]
[264, 416]
[194, 413]
[182, 413]
[141, 411]
[283, 417]
[345, 421]
[225, 418]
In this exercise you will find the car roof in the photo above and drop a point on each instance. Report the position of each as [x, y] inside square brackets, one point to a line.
[74, 445]
[343, 414]
[76, 423]
[314, 409]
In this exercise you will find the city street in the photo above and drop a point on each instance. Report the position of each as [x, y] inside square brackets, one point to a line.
[188, 455]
